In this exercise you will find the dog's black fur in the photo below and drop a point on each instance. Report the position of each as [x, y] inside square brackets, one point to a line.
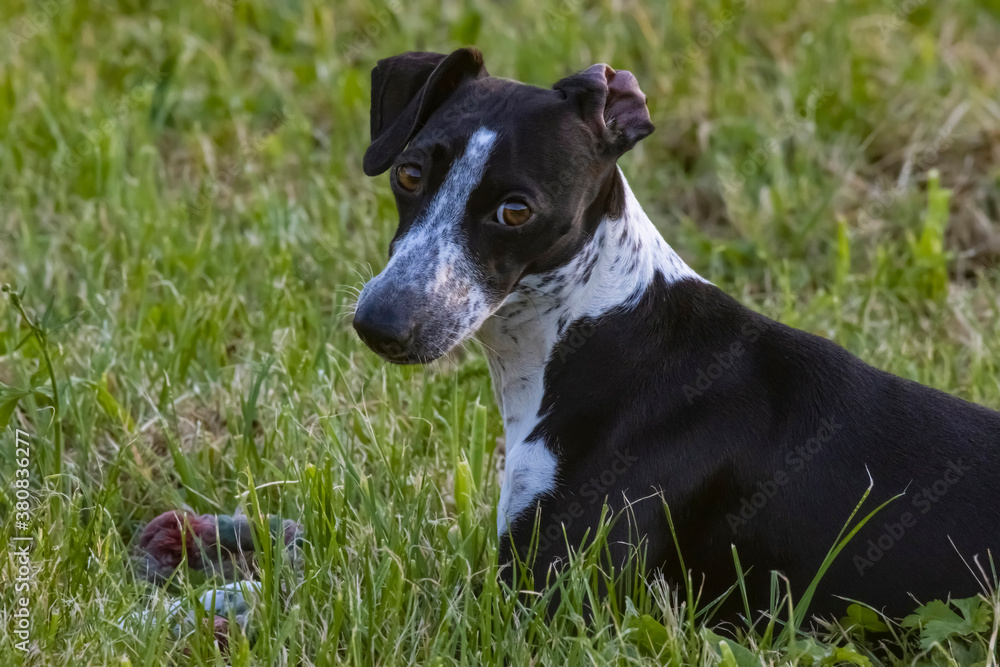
[697, 396]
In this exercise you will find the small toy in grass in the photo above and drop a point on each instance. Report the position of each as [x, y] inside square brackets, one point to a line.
[219, 545]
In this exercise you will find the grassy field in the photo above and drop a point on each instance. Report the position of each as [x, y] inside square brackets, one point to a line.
[182, 207]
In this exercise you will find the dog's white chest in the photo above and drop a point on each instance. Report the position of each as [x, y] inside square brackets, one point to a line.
[529, 467]
[610, 273]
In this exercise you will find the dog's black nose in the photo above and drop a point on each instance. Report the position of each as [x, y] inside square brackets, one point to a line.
[385, 330]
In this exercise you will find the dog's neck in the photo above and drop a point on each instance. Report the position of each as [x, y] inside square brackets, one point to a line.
[612, 271]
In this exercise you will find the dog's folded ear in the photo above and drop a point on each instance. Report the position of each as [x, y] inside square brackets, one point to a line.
[612, 104]
[406, 89]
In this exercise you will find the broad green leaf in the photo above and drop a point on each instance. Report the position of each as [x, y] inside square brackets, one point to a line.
[938, 622]
[731, 653]
[7, 407]
[39, 377]
[973, 655]
[9, 398]
[847, 654]
[648, 634]
[977, 613]
[864, 619]
[807, 650]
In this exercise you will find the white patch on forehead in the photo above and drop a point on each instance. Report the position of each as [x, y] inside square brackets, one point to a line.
[450, 201]
[431, 259]
[611, 272]
[439, 227]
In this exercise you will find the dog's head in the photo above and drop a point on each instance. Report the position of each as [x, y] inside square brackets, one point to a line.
[494, 180]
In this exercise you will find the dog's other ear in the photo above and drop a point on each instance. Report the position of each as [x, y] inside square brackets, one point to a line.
[612, 104]
[406, 89]
[395, 82]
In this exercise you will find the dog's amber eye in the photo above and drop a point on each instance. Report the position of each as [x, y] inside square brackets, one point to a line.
[408, 177]
[513, 213]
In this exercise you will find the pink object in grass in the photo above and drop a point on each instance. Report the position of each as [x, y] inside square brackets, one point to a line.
[215, 544]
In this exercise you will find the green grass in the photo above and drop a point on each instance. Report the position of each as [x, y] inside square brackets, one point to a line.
[183, 180]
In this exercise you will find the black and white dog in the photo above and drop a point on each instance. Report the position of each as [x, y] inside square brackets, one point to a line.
[623, 377]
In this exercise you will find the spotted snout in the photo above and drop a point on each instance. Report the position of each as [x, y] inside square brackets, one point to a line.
[427, 300]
